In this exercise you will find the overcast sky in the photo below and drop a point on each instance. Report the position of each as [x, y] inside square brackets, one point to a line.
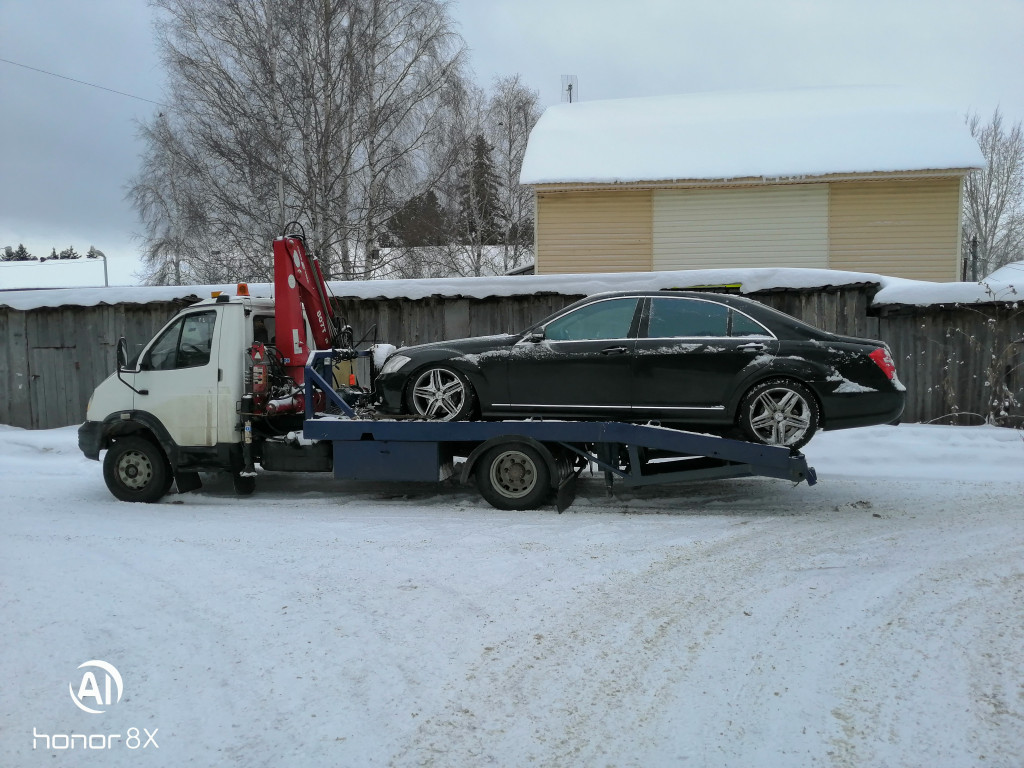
[67, 150]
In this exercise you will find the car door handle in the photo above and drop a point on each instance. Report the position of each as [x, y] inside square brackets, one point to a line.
[614, 351]
[752, 347]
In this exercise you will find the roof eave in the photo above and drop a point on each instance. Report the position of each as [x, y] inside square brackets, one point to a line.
[746, 181]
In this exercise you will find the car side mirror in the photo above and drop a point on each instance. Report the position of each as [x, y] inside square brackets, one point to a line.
[535, 336]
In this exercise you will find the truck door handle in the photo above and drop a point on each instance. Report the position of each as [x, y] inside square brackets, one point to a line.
[614, 351]
[752, 347]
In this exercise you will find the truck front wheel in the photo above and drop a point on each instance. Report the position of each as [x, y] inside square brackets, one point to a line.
[135, 469]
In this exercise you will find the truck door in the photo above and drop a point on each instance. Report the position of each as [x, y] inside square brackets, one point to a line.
[179, 372]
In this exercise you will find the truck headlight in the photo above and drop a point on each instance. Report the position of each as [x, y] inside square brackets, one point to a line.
[394, 363]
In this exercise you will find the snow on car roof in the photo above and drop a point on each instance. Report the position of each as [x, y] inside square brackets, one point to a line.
[775, 135]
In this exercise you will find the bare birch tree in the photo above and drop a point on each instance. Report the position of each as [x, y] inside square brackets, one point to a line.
[513, 111]
[994, 195]
[312, 110]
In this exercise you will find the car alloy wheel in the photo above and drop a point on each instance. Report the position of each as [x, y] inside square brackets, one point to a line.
[780, 412]
[441, 394]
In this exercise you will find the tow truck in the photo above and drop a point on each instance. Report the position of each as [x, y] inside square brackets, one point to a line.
[235, 382]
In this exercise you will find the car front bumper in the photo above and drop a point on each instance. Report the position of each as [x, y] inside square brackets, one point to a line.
[390, 388]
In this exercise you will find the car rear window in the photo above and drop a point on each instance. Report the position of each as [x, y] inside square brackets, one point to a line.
[672, 318]
[745, 326]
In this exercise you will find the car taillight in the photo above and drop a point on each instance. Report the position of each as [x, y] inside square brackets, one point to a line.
[884, 361]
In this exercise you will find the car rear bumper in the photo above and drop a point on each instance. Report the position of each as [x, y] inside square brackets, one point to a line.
[862, 409]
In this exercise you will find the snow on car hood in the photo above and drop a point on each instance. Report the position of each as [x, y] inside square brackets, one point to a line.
[468, 346]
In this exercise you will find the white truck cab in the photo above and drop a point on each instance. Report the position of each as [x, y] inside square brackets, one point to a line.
[174, 409]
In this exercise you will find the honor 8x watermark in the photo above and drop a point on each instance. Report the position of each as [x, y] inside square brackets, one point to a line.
[97, 691]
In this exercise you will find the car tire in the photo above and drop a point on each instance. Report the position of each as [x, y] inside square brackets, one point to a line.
[780, 412]
[440, 393]
[513, 476]
[135, 469]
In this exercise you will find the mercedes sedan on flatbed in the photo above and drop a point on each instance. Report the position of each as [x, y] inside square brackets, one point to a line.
[704, 361]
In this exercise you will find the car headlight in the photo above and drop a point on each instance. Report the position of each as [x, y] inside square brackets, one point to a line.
[394, 363]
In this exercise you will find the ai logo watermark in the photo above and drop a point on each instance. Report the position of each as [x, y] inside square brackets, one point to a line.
[91, 689]
[101, 686]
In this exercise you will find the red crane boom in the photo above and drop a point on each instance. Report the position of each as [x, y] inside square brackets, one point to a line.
[298, 284]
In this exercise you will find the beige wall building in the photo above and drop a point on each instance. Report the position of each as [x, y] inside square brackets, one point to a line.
[820, 179]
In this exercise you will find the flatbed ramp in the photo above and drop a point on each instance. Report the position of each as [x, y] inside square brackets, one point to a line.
[520, 464]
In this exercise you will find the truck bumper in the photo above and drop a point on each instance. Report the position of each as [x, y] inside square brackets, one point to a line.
[90, 439]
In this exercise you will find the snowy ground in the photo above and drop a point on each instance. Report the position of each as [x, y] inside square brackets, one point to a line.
[876, 619]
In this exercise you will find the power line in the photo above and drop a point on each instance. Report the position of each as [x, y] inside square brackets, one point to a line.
[82, 82]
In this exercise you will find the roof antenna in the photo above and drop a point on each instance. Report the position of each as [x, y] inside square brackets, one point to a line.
[570, 88]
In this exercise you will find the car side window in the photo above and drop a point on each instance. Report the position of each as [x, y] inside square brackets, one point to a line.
[609, 319]
[746, 326]
[670, 318]
[186, 343]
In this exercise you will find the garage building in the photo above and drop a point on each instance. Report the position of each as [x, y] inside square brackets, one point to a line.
[855, 179]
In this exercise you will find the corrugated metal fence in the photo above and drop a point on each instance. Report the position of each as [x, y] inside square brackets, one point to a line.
[948, 357]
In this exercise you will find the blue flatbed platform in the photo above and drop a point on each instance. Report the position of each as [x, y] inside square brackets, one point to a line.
[410, 449]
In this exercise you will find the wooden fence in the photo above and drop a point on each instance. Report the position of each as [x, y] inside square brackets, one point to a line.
[953, 360]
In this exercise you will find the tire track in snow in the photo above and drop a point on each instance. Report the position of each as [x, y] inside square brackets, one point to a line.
[602, 666]
[791, 638]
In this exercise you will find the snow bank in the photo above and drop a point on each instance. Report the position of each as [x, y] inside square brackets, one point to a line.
[893, 290]
[760, 134]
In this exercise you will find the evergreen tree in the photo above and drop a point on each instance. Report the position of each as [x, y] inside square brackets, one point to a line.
[421, 221]
[479, 206]
[18, 254]
[69, 253]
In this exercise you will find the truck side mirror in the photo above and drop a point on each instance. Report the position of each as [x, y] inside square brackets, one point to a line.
[122, 365]
[122, 354]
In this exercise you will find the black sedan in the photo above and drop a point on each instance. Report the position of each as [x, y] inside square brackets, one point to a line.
[692, 360]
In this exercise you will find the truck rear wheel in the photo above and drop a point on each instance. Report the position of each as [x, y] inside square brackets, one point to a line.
[244, 485]
[513, 476]
[135, 469]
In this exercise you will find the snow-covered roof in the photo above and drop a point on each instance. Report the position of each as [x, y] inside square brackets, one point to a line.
[893, 290]
[772, 135]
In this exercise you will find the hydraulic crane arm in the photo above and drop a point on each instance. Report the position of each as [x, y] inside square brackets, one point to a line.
[299, 284]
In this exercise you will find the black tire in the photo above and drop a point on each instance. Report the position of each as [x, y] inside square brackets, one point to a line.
[513, 476]
[135, 469]
[780, 412]
[244, 485]
[440, 393]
